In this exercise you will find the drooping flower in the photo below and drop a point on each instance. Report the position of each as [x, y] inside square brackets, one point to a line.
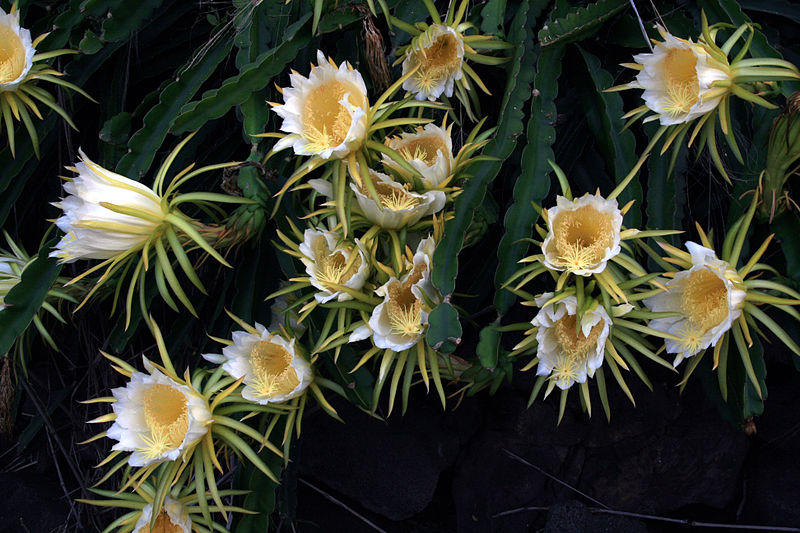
[439, 55]
[157, 418]
[709, 297]
[569, 352]
[583, 234]
[678, 79]
[273, 369]
[429, 150]
[326, 114]
[105, 215]
[329, 262]
[16, 51]
[173, 518]
[398, 206]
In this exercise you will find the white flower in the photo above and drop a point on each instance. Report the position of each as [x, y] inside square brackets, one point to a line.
[93, 229]
[429, 150]
[329, 262]
[568, 352]
[173, 518]
[398, 206]
[677, 77]
[709, 297]
[157, 418]
[325, 114]
[439, 52]
[16, 51]
[10, 274]
[271, 366]
[582, 235]
[399, 322]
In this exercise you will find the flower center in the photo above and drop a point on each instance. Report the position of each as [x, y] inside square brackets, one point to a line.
[12, 55]
[166, 414]
[391, 197]
[705, 299]
[272, 370]
[404, 308]
[326, 121]
[163, 525]
[573, 344]
[680, 74]
[582, 237]
[439, 61]
[423, 148]
[332, 265]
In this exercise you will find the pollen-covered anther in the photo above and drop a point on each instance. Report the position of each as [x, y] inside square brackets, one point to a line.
[332, 265]
[404, 307]
[392, 197]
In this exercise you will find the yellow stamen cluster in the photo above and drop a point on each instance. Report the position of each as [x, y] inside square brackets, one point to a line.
[438, 61]
[272, 370]
[680, 75]
[574, 347]
[582, 236]
[705, 299]
[166, 414]
[392, 197]
[423, 148]
[326, 121]
[332, 266]
[163, 525]
[404, 307]
[12, 55]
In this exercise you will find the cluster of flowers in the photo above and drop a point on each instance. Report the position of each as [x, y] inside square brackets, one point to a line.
[374, 211]
[605, 304]
[381, 183]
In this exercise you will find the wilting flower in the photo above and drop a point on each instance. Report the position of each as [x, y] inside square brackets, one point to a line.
[583, 234]
[709, 297]
[16, 51]
[105, 215]
[325, 114]
[439, 55]
[399, 322]
[329, 262]
[678, 79]
[398, 206]
[157, 418]
[429, 150]
[568, 351]
[173, 518]
[273, 369]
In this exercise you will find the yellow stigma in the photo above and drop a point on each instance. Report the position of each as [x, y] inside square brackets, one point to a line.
[166, 414]
[705, 299]
[12, 55]
[392, 197]
[273, 373]
[325, 120]
[163, 525]
[404, 308]
[581, 237]
[333, 268]
[680, 76]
